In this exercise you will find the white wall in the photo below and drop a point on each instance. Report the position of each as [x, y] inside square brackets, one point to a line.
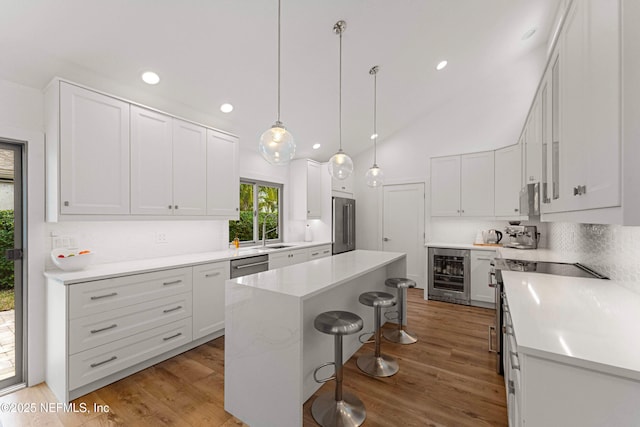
[482, 117]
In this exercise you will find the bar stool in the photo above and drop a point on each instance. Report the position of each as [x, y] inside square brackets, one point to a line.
[337, 409]
[377, 364]
[400, 335]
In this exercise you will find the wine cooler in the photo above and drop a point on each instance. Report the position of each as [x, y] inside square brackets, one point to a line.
[449, 275]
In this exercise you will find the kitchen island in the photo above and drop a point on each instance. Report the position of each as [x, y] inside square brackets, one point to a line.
[271, 345]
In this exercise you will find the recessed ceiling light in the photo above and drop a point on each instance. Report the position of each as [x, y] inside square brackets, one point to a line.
[373, 136]
[226, 108]
[150, 77]
[529, 33]
[316, 146]
[441, 65]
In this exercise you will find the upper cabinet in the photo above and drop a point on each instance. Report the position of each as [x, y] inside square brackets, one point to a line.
[168, 165]
[107, 157]
[94, 153]
[463, 185]
[223, 179]
[533, 143]
[589, 102]
[507, 181]
[445, 186]
[306, 189]
[590, 106]
[342, 187]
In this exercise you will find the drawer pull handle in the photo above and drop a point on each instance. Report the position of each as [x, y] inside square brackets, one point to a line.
[326, 252]
[95, 365]
[212, 274]
[113, 294]
[172, 283]
[239, 267]
[315, 253]
[95, 331]
[169, 310]
[172, 336]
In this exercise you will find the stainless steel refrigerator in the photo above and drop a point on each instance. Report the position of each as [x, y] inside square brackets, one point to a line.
[344, 225]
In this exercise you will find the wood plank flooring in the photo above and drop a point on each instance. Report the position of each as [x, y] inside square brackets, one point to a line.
[446, 379]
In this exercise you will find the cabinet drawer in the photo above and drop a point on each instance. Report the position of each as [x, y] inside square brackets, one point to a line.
[102, 328]
[110, 294]
[99, 362]
[319, 252]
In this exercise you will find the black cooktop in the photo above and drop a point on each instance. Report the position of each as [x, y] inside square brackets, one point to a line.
[557, 268]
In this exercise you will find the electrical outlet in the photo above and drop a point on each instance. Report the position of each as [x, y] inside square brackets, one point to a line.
[161, 237]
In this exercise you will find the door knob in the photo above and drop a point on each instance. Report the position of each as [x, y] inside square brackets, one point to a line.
[386, 239]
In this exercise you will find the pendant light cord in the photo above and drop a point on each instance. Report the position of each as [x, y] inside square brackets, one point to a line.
[279, 18]
[375, 103]
[340, 92]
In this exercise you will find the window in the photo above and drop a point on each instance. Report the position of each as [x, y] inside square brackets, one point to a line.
[260, 207]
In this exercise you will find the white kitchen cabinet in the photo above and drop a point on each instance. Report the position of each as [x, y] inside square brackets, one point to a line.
[223, 177]
[306, 189]
[208, 298]
[318, 252]
[99, 331]
[445, 186]
[189, 168]
[342, 187]
[90, 153]
[507, 181]
[533, 143]
[463, 185]
[288, 257]
[477, 184]
[168, 165]
[590, 106]
[107, 157]
[481, 294]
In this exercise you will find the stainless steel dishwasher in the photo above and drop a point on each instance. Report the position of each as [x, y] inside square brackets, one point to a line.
[249, 265]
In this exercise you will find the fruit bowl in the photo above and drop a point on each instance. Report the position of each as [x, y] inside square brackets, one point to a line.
[71, 259]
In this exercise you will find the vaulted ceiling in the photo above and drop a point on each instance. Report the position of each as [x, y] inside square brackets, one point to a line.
[208, 52]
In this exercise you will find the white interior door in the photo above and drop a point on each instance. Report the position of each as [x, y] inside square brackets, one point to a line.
[403, 226]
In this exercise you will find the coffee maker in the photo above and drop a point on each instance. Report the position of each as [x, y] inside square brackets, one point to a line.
[522, 236]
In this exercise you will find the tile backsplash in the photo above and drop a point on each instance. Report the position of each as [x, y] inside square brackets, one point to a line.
[612, 250]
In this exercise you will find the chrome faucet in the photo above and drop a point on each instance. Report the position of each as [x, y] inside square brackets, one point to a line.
[264, 228]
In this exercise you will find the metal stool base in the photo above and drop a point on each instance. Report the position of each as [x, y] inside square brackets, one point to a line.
[383, 366]
[400, 336]
[347, 412]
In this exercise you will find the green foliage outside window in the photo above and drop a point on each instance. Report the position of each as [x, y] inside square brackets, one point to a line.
[6, 242]
[268, 200]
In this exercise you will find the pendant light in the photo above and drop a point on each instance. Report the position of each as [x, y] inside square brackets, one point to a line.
[276, 143]
[340, 164]
[374, 175]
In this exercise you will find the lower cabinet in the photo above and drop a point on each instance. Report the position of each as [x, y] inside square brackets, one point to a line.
[319, 252]
[208, 297]
[103, 330]
[481, 294]
[285, 258]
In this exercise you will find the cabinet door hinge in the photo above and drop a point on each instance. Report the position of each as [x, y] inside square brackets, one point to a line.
[14, 254]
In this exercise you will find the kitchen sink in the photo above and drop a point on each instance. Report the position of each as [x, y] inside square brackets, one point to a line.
[278, 246]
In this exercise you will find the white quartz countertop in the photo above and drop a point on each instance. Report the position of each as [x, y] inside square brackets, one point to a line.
[460, 246]
[103, 271]
[312, 277]
[591, 323]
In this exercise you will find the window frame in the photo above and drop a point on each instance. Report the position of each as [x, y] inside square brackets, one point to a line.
[256, 225]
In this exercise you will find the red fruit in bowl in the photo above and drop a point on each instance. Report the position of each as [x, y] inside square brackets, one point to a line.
[60, 256]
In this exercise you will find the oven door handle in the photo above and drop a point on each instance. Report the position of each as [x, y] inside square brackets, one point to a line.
[491, 349]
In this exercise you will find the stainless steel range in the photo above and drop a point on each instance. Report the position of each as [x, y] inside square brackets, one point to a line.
[496, 281]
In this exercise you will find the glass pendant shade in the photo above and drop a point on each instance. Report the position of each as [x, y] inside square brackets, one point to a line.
[374, 176]
[340, 165]
[277, 145]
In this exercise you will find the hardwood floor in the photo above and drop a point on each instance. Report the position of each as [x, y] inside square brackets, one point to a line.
[446, 379]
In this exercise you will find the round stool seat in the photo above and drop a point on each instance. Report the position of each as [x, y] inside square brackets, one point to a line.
[377, 299]
[338, 322]
[400, 282]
